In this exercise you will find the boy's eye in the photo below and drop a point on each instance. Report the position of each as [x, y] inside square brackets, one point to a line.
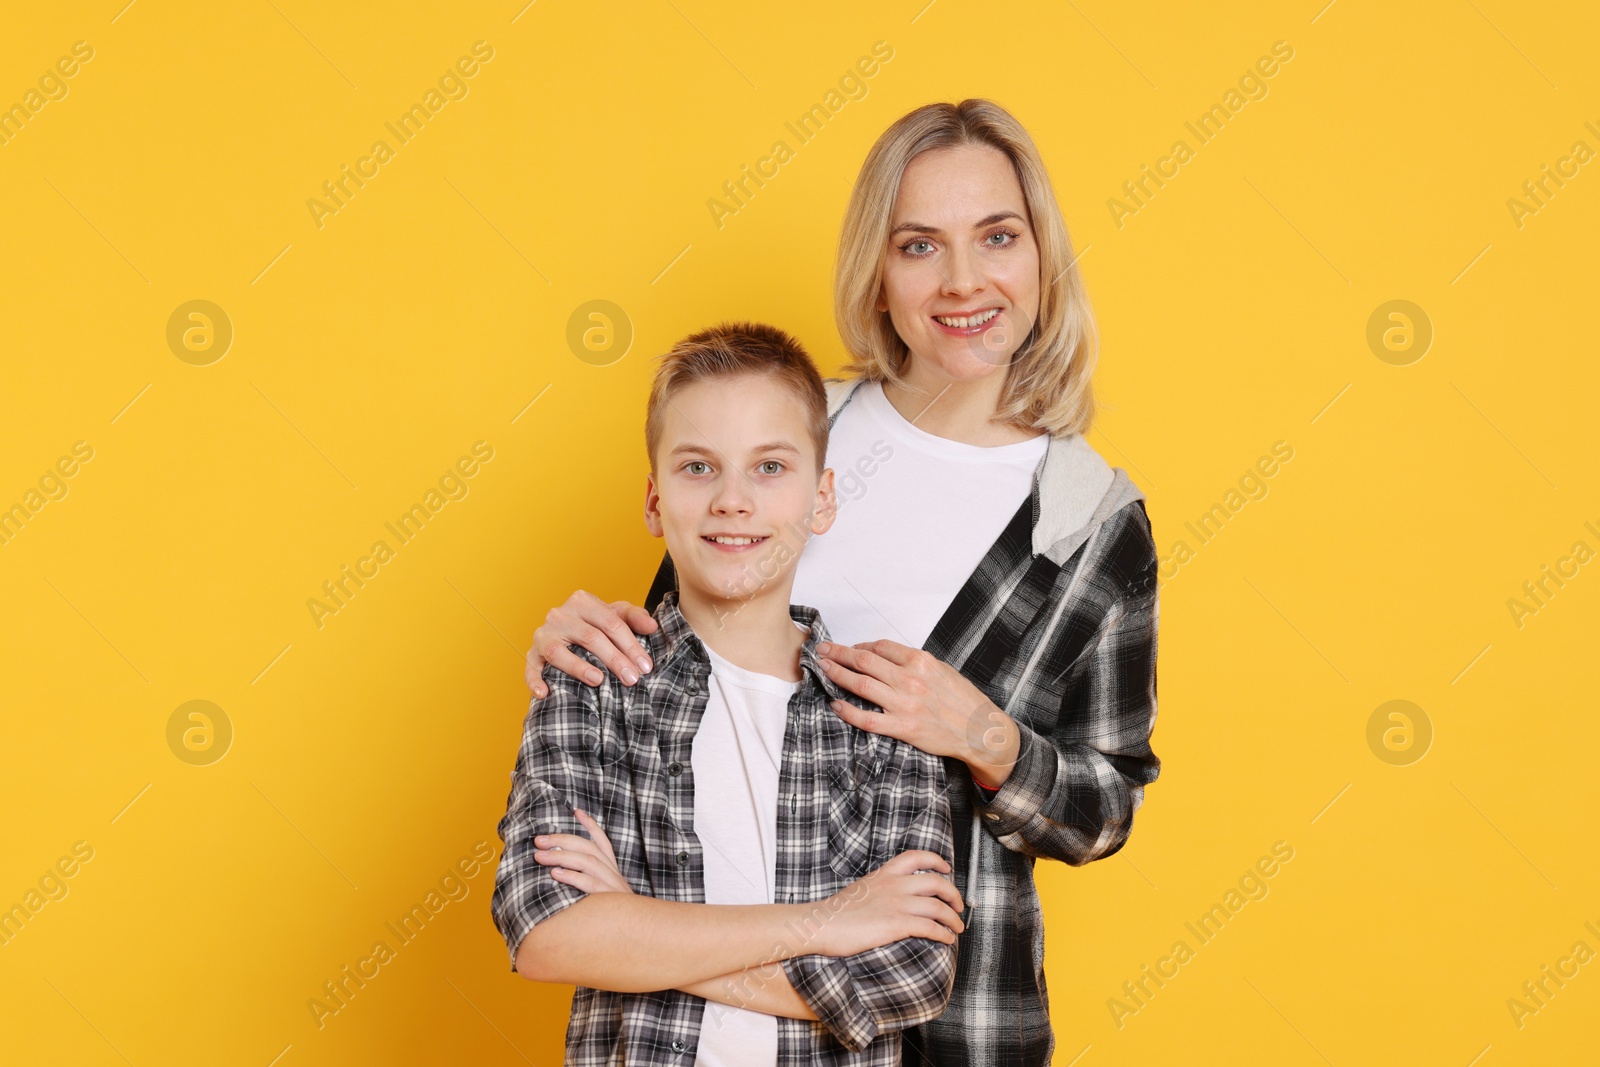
[775, 464]
[695, 466]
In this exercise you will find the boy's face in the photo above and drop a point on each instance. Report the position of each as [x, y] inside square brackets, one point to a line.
[735, 461]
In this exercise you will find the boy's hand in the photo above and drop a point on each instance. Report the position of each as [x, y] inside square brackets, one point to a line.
[893, 902]
[586, 863]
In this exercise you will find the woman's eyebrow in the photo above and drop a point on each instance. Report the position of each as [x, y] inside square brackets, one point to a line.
[987, 220]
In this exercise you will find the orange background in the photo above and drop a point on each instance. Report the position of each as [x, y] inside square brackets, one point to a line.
[369, 754]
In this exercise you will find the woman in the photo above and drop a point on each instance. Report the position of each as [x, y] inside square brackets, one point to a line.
[990, 581]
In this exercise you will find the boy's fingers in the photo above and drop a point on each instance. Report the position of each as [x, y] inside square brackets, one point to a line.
[941, 888]
[917, 859]
[597, 833]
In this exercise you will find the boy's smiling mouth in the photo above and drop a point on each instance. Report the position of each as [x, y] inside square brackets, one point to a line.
[733, 542]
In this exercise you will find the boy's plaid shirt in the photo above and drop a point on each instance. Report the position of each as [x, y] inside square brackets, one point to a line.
[1057, 626]
[848, 802]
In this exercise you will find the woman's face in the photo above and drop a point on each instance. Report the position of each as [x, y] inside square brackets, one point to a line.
[961, 275]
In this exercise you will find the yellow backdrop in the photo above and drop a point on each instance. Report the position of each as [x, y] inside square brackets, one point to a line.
[289, 280]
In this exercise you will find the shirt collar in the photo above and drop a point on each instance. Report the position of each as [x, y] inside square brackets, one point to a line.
[1074, 488]
[676, 638]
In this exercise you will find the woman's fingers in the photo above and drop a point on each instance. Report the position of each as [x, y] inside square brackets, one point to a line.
[896, 653]
[861, 660]
[533, 673]
[864, 686]
[563, 659]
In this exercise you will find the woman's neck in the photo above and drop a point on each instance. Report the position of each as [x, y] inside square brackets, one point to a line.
[957, 410]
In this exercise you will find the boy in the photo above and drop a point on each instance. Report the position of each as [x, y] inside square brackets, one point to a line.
[731, 874]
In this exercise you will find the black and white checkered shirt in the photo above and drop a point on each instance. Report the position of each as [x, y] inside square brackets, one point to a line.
[848, 801]
[1057, 626]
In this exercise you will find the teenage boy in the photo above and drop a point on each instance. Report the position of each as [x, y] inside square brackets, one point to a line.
[731, 874]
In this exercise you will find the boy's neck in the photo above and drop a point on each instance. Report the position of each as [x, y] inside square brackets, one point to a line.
[757, 634]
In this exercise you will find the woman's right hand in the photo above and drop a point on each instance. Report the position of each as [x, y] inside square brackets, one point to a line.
[605, 629]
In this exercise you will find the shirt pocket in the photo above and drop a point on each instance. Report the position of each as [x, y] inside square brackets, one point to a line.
[854, 839]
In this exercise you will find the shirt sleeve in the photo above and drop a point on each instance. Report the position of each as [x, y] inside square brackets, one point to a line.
[907, 982]
[557, 769]
[1072, 794]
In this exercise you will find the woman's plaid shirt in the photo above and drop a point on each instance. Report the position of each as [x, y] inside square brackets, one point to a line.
[849, 801]
[1057, 626]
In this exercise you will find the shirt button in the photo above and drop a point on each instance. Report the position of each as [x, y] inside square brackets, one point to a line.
[680, 1046]
[694, 686]
[683, 859]
[674, 768]
[992, 817]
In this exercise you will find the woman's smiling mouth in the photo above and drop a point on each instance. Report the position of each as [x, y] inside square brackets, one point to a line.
[966, 325]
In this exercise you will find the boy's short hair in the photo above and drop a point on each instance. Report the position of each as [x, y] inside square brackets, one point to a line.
[729, 350]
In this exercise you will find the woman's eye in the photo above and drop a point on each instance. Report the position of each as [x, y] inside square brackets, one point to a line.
[919, 247]
[1006, 237]
[776, 465]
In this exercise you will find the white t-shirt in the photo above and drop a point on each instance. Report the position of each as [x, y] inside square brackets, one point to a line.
[736, 757]
[917, 513]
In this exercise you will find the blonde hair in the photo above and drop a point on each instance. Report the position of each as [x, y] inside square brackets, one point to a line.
[731, 350]
[1048, 384]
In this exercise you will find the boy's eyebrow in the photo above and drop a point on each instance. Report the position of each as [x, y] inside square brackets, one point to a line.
[706, 450]
[987, 220]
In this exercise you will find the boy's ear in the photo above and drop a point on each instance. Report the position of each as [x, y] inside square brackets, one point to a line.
[826, 507]
[652, 507]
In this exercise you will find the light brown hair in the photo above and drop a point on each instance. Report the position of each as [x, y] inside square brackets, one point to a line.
[1048, 385]
[728, 350]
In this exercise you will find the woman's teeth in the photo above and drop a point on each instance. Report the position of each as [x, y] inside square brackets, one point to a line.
[961, 322]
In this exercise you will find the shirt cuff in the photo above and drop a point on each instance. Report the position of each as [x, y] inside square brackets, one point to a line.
[1023, 794]
[825, 984]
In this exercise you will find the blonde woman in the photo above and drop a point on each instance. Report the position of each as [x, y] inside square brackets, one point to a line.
[990, 581]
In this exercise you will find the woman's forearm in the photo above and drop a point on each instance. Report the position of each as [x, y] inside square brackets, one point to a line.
[637, 944]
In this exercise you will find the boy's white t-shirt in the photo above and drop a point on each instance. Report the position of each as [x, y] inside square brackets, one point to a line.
[736, 757]
[917, 513]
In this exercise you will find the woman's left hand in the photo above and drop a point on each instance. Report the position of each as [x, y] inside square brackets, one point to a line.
[586, 863]
[926, 703]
